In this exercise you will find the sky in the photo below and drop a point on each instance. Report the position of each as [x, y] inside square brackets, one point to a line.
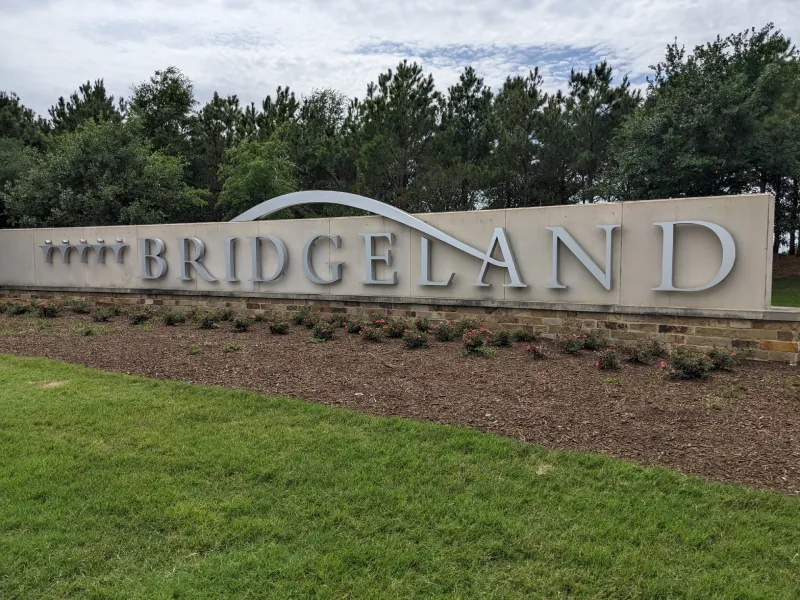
[249, 47]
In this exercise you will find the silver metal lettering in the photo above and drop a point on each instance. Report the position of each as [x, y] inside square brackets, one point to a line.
[146, 256]
[255, 249]
[425, 265]
[604, 277]
[499, 238]
[308, 266]
[186, 262]
[372, 258]
[230, 259]
[668, 253]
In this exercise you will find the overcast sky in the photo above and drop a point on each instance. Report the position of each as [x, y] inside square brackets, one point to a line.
[248, 47]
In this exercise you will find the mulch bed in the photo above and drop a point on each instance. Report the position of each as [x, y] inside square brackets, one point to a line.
[742, 426]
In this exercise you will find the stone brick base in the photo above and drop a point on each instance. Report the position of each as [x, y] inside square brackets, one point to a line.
[776, 338]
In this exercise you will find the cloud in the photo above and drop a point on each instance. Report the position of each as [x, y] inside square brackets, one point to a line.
[248, 47]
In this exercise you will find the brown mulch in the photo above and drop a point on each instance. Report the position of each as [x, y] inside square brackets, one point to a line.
[742, 426]
[785, 266]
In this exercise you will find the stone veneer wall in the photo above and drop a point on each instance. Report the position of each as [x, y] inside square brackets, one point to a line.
[776, 338]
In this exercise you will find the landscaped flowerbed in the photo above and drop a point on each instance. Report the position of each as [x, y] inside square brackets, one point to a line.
[734, 421]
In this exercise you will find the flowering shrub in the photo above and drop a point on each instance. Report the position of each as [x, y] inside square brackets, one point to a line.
[689, 363]
[422, 324]
[608, 360]
[397, 328]
[173, 317]
[644, 351]
[353, 326]
[444, 332]
[415, 339]
[723, 359]
[571, 343]
[141, 317]
[263, 317]
[477, 340]
[501, 338]
[209, 320]
[18, 307]
[535, 351]
[372, 334]
[524, 335]
[79, 307]
[242, 323]
[337, 319]
[592, 340]
[279, 327]
[46, 310]
[465, 325]
[323, 331]
[299, 318]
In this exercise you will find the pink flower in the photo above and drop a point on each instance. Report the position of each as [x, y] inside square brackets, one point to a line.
[585, 336]
[528, 348]
[597, 364]
[733, 353]
[663, 365]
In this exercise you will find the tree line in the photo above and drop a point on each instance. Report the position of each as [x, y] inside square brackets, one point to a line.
[721, 119]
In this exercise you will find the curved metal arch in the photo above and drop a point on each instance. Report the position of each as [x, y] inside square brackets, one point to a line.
[362, 203]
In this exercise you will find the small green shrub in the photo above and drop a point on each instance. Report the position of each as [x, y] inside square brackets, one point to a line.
[524, 335]
[397, 328]
[422, 324]
[444, 332]
[571, 343]
[103, 315]
[608, 360]
[86, 331]
[173, 317]
[141, 317]
[689, 363]
[501, 339]
[46, 310]
[18, 307]
[476, 339]
[465, 325]
[324, 331]
[415, 339]
[279, 327]
[484, 351]
[242, 323]
[232, 347]
[225, 314]
[593, 340]
[723, 359]
[644, 351]
[263, 317]
[353, 326]
[79, 307]
[535, 351]
[194, 351]
[209, 320]
[372, 334]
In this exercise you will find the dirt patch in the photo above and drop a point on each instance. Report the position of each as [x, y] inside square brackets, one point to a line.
[785, 266]
[738, 427]
[49, 385]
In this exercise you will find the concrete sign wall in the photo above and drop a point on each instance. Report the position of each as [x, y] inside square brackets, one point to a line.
[693, 253]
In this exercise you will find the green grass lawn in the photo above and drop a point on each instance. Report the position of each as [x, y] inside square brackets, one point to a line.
[786, 291]
[121, 487]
